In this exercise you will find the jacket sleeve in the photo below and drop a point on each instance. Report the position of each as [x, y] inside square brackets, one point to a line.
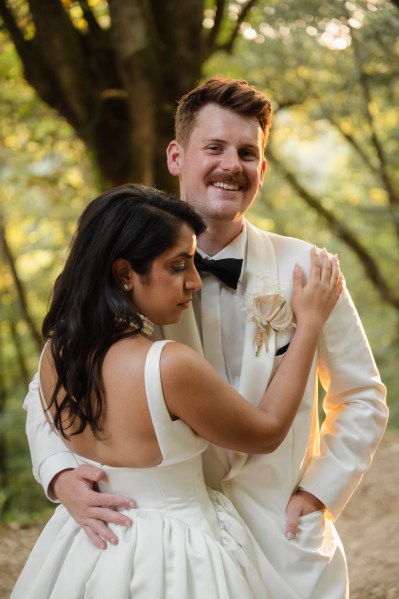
[48, 452]
[355, 410]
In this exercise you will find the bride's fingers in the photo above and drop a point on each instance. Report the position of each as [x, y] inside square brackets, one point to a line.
[297, 277]
[335, 273]
[325, 276]
[325, 269]
[315, 266]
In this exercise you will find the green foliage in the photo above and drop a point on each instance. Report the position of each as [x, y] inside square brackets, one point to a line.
[334, 88]
[46, 179]
[20, 494]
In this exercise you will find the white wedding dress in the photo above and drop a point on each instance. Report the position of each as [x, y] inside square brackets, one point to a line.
[186, 542]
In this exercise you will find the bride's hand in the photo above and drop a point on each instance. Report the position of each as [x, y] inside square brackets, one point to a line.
[314, 301]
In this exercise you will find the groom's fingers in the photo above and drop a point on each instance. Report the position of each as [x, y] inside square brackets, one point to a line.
[108, 514]
[96, 539]
[95, 519]
[300, 504]
[293, 512]
[99, 533]
[91, 509]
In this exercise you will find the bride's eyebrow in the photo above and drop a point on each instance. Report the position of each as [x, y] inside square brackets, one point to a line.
[183, 255]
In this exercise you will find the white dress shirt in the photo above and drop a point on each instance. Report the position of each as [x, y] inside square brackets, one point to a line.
[220, 309]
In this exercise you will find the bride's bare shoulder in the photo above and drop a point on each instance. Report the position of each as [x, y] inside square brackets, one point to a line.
[181, 363]
[180, 352]
[126, 353]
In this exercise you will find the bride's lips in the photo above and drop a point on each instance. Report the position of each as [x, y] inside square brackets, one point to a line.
[186, 303]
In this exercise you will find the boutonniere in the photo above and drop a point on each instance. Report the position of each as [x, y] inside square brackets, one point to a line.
[269, 311]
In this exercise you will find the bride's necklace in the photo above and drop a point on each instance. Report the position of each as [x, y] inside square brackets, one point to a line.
[148, 325]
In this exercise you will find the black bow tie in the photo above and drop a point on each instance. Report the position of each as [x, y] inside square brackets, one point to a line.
[227, 270]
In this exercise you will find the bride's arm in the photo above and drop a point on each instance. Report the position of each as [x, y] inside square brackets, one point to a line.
[195, 393]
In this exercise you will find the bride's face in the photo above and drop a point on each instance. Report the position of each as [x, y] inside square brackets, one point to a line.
[167, 290]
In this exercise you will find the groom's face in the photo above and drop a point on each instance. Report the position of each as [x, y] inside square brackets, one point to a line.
[221, 168]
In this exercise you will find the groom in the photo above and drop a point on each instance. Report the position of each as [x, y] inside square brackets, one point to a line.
[289, 498]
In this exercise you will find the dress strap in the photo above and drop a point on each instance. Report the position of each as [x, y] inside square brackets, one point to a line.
[46, 411]
[39, 373]
[153, 387]
[176, 440]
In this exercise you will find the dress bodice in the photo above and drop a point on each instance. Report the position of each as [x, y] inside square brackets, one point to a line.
[176, 485]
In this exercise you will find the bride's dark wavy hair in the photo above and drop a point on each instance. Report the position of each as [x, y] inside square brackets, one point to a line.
[133, 222]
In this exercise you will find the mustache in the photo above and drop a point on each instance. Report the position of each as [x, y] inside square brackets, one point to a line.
[238, 179]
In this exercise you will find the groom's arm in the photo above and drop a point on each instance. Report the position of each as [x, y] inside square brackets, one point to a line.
[57, 470]
[48, 452]
[355, 417]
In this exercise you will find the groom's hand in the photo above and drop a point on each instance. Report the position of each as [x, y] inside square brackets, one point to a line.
[300, 504]
[92, 510]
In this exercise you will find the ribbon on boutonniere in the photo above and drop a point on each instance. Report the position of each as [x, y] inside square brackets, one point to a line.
[269, 311]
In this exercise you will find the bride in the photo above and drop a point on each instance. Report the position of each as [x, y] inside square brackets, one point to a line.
[144, 411]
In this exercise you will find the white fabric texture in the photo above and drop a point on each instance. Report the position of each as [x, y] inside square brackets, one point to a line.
[214, 300]
[185, 543]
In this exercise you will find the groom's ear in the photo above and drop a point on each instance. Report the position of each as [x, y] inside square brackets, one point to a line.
[174, 158]
[262, 172]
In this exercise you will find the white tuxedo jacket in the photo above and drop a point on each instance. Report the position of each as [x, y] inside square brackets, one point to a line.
[329, 462]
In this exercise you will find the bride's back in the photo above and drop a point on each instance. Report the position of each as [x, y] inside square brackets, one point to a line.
[128, 438]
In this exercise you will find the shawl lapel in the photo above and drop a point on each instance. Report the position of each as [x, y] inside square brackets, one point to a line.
[260, 264]
[255, 370]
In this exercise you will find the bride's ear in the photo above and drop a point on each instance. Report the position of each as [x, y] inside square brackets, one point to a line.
[123, 274]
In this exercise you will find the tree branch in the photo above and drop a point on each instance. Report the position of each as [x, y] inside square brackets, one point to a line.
[31, 59]
[63, 56]
[90, 19]
[342, 232]
[20, 355]
[36, 71]
[209, 44]
[393, 197]
[228, 46]
[12, 28]
[9, 259]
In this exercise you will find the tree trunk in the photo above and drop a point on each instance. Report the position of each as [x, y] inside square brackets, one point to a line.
[118, 87]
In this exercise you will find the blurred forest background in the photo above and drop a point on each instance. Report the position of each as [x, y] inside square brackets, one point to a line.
[87, 94]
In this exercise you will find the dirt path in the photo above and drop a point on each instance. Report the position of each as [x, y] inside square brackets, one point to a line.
[369, 529]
